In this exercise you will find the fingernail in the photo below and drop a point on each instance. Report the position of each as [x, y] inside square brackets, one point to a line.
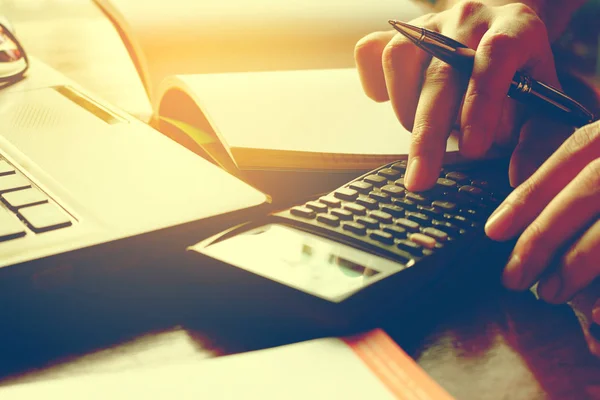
[499, 222]
[550, 288]
[512, 274]
[413, 170]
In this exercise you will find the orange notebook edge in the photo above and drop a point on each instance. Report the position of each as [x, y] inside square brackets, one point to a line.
[395, 369]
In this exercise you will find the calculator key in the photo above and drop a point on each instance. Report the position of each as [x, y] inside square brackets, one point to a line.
[6, 168]
[8, 183]
[381, 197]
[368, 202]
[376, 180]
[407, 224]
[331, 201]
[460, 221]
[471, 191]
[346, 194]
[393, 190]
[369, 222]
[316, 206]
[396, 231]
[342, 214]
[418, 217]
[45, 217]
[381, 236]
[410, 246]
[457, 177]
[405, 203]
[480, 183]
[438, 235]
[430, 211]
[444, 205]
[423, 240]
[447, 227]
[328, 219]
[470, 213]
[445, 184]
[10, 226]
[355, 209]
[302, 211]
[381, 216]
[400, 182]
[395, 211]
[361, 186]
[399, 166]
[24, 198]
[389, 173]
[416, 197]
[354, 227]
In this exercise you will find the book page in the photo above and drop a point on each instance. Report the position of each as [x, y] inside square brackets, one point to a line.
[189, 37]
[319, 369]
[318, 112]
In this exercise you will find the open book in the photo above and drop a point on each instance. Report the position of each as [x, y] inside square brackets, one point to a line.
[265, 85]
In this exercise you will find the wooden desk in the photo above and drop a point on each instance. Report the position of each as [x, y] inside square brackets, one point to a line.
[502, 346]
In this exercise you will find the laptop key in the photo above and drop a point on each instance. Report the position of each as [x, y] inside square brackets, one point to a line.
[24, 198]
[10, 227]
[45, 217]
[9, 183]
[6, 168]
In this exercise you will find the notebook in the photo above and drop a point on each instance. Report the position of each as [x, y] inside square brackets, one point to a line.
[368, 366]
[270, 86]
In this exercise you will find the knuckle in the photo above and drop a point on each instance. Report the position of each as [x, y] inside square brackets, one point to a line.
[468, 10]
[520, 9]
[438, 72]
[589, 135]
[536, 239]
[420, 133]
[591, 174]
[499, 45]
[393, 54]
[521, 195]
[369, 46]
[576, 257]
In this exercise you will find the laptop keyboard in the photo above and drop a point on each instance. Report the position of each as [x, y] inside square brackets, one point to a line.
[24, 208]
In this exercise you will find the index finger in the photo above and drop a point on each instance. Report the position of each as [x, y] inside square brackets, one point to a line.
[527, 201]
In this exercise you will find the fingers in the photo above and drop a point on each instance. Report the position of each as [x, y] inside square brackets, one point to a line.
[596, 312]
[439, 102]
[527, 201]
[564, 217]
[505, 48]
[367, 54]
[403, 68]
[577, 269]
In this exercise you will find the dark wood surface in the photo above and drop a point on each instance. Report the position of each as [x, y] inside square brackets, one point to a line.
[493, 345]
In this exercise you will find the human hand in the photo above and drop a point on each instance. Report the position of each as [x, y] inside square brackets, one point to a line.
[428, 96]
[556, 215]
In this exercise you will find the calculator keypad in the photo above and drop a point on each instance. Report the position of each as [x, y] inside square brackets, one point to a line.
[378, 211]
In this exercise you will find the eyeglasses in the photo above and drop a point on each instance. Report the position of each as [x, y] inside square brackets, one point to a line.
[13, 59]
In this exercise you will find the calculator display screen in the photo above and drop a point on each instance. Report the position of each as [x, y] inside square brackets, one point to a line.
[305, 261]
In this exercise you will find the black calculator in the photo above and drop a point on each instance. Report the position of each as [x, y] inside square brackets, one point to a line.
[367, 247]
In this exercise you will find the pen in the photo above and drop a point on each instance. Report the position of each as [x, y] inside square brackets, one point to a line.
[523, 88]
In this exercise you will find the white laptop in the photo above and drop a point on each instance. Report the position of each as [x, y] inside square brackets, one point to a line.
[83, 184]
